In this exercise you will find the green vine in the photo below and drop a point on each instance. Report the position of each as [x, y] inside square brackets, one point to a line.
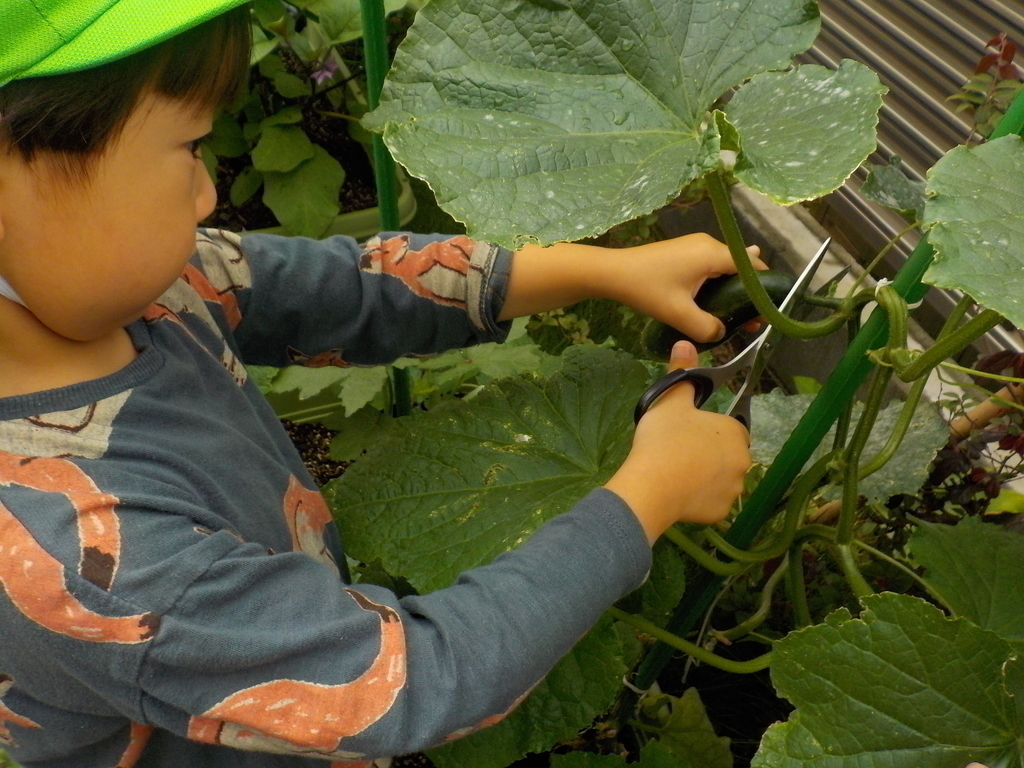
[719, 194]
[703, 558]
[701, 654]
[851, 459]
[759, 616]
[796, 587]
[798, 500]
[951, 345]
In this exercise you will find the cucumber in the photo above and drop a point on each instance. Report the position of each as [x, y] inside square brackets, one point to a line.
[725, 298]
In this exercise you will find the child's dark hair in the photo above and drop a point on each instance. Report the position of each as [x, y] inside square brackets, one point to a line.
[74, 117]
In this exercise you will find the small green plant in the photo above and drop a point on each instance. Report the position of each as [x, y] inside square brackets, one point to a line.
[287, 131]
[986, 96]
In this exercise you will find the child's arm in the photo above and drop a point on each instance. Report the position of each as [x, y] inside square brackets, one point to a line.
[685, 464]
[658, 279]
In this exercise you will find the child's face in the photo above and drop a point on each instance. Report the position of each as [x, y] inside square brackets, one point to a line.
[88, 260]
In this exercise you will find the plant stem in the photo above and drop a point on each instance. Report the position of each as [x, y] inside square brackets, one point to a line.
[872, 405]
[909, 571]
[956, 316]
[339, 115]
[823, 532]
[701, 654]
[311, 414]
[796, 587]
[953, 344]
[764, 607]
[896, 309]
[702, 557]
[981, 374]
[892, 445]
[401, 392]
[798, 499]
[881, 255]
[828, 302]
[719, 194]
[848, 564]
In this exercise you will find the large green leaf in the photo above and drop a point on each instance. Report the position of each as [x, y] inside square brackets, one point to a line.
[488, 361]
[901, 686]
[305, 199]
[353, 386]
[1013, 681]
[581, 686]
[560, 119]
[775, 415]
[976, 220]
[978, 569]
[474, 479]
[803, 132]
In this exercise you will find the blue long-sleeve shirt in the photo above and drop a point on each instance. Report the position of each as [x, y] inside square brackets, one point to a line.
[169, 594]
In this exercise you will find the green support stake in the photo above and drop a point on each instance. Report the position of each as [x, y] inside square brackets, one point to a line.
[375, 51]
[840, 389]
[375, 55]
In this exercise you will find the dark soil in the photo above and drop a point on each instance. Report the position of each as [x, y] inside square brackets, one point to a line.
[314, 444]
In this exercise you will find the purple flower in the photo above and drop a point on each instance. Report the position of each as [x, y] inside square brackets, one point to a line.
[326, 72]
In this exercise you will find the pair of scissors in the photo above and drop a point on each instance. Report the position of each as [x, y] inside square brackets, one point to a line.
[706, 380]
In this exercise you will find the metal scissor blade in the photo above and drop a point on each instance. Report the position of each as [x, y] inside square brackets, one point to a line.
[805, 278]
[755, 354]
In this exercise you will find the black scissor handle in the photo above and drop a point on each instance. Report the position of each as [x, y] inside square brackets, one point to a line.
[701, 382]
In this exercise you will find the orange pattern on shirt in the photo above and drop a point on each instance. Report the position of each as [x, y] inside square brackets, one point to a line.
[7, 716]
[138, 738]
[98, 527]
[310, 715]
[227, 299]
[307, 515]
[34, 582]
[437, 271]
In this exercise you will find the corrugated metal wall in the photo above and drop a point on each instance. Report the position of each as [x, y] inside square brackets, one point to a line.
[923, 50]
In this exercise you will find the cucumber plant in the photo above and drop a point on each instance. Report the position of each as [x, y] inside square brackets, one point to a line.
[590, 113]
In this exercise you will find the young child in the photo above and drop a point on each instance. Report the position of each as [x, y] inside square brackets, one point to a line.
[170, 591]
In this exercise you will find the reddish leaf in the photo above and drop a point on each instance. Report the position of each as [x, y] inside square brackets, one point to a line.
[1018, 367]
[997, 362]
[996, 41]
[1008, 72]
[1008, 51]
[986, 62]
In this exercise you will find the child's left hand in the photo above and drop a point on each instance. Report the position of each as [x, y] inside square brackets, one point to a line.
[660, 279]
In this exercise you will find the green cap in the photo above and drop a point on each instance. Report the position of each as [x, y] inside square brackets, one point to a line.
[50, 37]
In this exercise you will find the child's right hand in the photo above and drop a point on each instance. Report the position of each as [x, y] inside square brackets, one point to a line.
[686, 465]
